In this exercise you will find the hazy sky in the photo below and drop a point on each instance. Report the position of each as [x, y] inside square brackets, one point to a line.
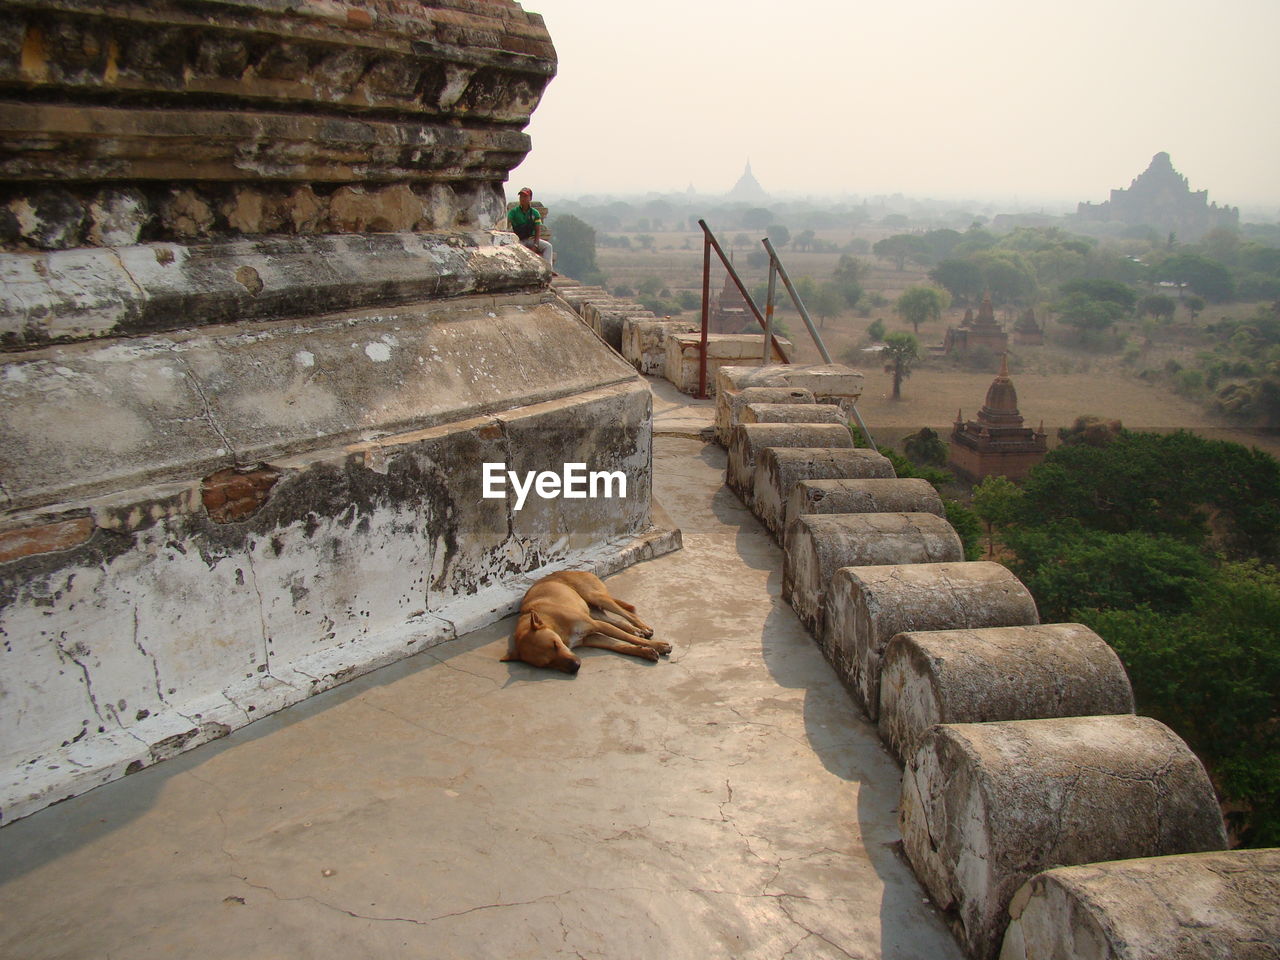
[990, 99]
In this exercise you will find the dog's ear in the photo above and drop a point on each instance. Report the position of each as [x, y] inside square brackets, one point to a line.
[535, 622]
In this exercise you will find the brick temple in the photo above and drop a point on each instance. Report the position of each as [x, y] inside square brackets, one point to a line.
[997, 443]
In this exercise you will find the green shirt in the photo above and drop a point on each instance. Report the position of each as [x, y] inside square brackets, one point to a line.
[524, 223]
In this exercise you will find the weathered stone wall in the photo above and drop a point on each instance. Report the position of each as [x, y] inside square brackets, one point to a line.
[258, 349]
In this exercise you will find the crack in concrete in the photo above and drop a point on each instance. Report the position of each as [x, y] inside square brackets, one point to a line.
[204, 399]
[84, 670]
[112, 251]
[811, 933]
[262, 611]
[415, 724]
[155, 665]
[471, 673]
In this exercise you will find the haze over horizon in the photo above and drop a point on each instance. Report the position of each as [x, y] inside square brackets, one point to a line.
[989, 101]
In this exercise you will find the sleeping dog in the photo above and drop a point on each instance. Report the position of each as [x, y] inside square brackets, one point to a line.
[555, 617]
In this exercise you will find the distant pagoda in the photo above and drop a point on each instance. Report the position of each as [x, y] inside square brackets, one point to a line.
[748, 188]
[996, 444]
[1160, 197]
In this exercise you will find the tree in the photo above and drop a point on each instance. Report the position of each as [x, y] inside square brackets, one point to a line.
[1007, 275]
[827, 302]
[1195, 305]
[900, 248]
[1157, 305]
[803, 241]
[778, 234]
[925, 447]
[961, 278]
[901, 351]
[920, 304]
[757, 218]
[848, 278]
[576, 249]
[1068, 568]
[995, 501]
[1111, 291]
[1206, 277]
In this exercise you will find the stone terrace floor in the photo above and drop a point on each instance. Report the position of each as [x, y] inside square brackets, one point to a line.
[729, 802]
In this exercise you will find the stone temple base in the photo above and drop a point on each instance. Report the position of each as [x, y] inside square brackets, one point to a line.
[205, 526]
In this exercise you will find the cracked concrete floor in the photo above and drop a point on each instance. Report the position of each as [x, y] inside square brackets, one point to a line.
[729, 802]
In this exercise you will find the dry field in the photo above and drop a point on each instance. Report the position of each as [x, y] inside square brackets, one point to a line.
[1055, 384]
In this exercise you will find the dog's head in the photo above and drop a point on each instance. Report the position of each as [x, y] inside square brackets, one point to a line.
[538, 645]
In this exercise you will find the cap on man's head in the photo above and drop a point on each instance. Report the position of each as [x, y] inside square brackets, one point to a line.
[525, 190]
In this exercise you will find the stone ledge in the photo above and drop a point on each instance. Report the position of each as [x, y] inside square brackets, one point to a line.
[185, 405]
[126, 291]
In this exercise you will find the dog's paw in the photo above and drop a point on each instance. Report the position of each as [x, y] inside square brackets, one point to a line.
[662, 647]
[648, 653]
[645, 632]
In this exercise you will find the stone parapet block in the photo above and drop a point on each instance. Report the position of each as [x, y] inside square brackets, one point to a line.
[866, 607]
[749, 440]
[607, 317]
[730, 404]
[844, 495]
[779, 469]
[792, 413]
[998, 673]
[986, 806]
[1194, 906]
[140, 289]
[820, 544]
[579, 295]
[832, 382]
[644, 341]
[684, 349]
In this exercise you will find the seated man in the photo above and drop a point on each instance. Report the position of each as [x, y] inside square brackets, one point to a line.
[526, 223]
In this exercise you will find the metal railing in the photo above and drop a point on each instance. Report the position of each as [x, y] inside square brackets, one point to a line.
[776, 270]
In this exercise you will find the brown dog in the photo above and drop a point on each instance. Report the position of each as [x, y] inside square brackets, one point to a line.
[555, 617]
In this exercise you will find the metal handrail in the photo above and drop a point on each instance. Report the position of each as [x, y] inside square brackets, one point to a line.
[709, 243]
[776, 269]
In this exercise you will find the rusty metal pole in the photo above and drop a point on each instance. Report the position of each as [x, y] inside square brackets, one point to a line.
[706, 314]
[768, 315]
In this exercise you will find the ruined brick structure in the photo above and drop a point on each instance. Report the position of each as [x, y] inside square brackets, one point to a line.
[974, 333]
[258, 344]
